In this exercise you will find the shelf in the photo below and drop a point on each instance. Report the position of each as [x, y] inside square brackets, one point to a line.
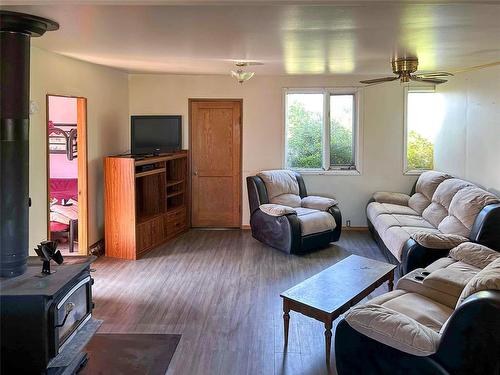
[151, 172]
[174, 182]
[174, 194]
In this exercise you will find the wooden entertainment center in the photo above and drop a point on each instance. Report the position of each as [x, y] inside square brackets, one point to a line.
[145, 202]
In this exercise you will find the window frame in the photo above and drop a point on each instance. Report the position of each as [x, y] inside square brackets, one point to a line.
[407, 90]
[327, 92]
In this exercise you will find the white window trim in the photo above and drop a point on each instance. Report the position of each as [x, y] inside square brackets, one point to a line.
[357, 130]
[406, 170]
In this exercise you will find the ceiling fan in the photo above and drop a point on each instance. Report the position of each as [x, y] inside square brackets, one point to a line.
[404, 69]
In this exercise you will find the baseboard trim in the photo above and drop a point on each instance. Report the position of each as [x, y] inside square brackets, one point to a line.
[353, 229]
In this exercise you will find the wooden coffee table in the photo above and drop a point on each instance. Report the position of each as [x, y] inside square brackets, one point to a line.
[333, 291]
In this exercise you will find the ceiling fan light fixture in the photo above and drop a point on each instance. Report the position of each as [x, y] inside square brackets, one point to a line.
[242, 76]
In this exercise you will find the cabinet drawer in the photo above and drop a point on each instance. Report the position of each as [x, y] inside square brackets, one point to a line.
[175, 216]
[176, 226]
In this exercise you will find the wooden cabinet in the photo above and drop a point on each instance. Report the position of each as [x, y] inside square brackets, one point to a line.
[145, 202]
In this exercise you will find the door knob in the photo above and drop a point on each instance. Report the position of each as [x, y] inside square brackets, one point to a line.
[195, 173]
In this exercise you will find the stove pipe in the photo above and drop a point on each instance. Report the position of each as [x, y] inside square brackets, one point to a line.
[16, 30]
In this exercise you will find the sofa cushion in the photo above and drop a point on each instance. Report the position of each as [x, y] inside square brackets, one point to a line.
[395, 238]
[474, 254]
[486, 279]
[390, 197]
[441, 200]
[375, 209]
[313, 221]
[424, 310]
[425, 187]
[393, 329]
[318, 203]
[279, 182]
[464, 208]
[290, 200]
[276, 209]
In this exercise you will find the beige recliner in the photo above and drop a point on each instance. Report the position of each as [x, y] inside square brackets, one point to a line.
[444, 318]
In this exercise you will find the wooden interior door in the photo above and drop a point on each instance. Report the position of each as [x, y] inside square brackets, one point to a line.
[215, 144]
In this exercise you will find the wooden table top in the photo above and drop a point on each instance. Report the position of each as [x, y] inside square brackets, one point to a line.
[333, 288]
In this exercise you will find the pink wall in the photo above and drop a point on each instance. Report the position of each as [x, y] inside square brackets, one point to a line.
[62, 110]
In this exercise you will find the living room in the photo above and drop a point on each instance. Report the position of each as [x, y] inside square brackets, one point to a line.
[216, 297]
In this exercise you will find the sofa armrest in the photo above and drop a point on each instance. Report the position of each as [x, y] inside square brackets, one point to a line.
[393, 329]
[390, 197]
[318, 203]
[438, 240]
[470, 339]
[276, 209]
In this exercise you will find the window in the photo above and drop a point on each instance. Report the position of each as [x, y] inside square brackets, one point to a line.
[421, 127]
[321, 129]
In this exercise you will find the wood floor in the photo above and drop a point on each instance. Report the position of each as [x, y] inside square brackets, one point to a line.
[220, 291]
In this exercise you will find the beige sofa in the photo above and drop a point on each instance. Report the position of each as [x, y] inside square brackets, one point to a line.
[444, 318]
[442, 213]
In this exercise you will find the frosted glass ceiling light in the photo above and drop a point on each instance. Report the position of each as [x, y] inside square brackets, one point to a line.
[241, 76]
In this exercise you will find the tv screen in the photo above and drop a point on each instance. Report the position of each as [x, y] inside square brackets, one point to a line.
[156, 134]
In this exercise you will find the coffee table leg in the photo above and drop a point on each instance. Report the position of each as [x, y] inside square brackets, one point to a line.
[328, 341]
[390, 282]
[286, 320]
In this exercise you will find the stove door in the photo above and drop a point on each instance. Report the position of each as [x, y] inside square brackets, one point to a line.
[72, 311]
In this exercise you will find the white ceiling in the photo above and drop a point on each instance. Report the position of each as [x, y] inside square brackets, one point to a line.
[199, 36]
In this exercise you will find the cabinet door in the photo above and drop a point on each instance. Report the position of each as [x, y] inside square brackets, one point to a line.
[157, 230]
[144, 240]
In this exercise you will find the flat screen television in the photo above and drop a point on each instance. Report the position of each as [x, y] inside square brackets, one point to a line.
[156, 134]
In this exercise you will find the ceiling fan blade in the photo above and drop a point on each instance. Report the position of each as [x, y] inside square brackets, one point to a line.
[434, 74]
[436, 81]
[379, 80]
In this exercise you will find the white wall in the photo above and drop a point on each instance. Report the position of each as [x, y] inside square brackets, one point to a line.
[106, 91]
[263, 129]
[468, 144]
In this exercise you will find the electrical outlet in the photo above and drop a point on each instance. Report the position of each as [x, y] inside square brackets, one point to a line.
[348, 223]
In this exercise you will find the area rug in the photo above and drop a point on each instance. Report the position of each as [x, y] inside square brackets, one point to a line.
[124, 354]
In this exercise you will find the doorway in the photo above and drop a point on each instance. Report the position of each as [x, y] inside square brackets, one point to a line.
[67, 206]
[215, 146]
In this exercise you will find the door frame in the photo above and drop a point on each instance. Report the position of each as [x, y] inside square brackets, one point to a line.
[190, 152]
[81, 128]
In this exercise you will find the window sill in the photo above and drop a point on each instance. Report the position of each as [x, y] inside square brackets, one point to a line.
[330, 172]
[415, 172]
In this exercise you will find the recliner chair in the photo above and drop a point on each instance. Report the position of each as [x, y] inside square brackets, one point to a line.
[283, 216]
[442, 319]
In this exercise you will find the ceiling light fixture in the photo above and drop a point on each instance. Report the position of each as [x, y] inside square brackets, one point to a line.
[240, 75]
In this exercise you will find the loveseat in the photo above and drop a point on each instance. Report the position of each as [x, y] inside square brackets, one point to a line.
[442, 319]
[283, 216]
[440, 213]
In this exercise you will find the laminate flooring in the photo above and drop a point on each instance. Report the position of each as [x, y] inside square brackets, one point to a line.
[220, 291]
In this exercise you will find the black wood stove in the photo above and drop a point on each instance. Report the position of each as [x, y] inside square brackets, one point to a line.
[42, 316]
[46, 319]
